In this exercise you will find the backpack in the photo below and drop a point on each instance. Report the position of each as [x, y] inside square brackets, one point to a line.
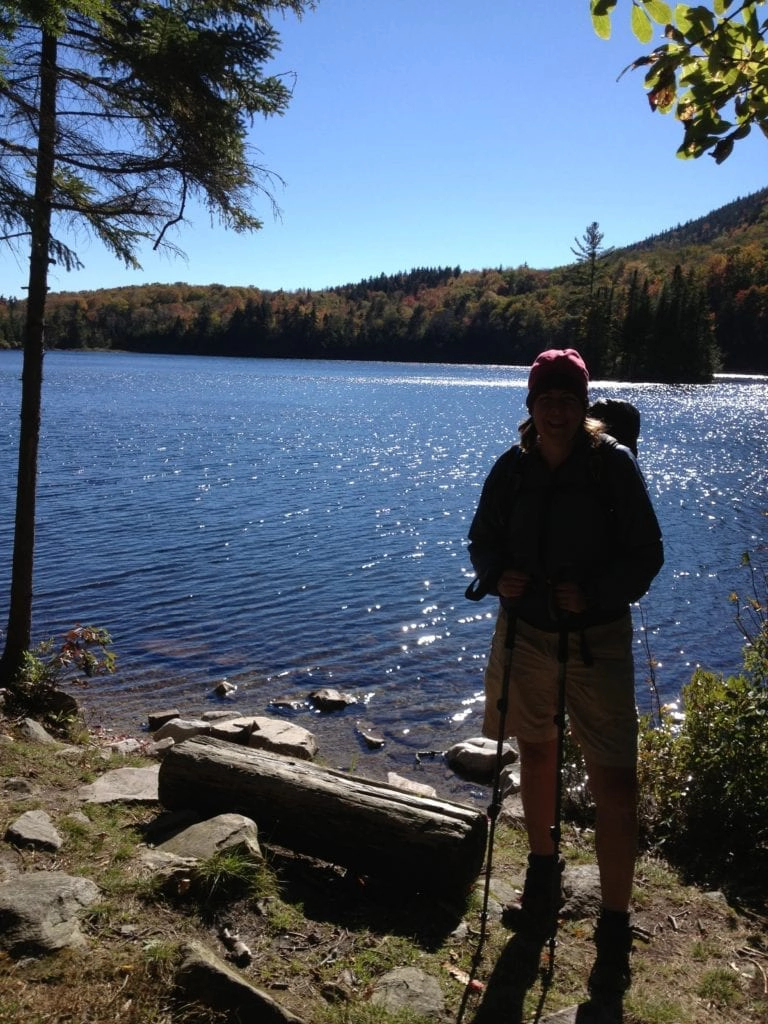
[622, 425]
[621, 419]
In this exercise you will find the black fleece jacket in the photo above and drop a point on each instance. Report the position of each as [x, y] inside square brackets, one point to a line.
[590, 521]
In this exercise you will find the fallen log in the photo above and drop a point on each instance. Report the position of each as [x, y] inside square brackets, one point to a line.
[373, 828]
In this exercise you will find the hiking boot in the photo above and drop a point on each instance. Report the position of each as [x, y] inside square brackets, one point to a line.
[535, 915]
[611, 974]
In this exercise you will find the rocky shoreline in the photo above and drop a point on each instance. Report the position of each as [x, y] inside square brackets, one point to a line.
[42, 909]
[50, 899]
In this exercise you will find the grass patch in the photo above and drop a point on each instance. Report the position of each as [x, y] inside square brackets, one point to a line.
[320, 940]
[720, 989]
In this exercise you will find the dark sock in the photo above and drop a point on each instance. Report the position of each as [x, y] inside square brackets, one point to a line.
[615, 921]
[541, 862]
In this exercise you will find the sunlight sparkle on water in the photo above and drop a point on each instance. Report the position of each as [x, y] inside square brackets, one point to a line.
[461, 715]
[354, 481]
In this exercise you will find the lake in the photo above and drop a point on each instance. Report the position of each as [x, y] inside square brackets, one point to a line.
[291, 525]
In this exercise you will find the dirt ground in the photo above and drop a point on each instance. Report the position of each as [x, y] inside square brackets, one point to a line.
[320, 939]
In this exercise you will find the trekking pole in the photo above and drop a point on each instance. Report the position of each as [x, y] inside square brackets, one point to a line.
[495, 805]
[556, 828]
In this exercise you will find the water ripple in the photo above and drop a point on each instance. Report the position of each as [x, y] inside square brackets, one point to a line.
[292, 524]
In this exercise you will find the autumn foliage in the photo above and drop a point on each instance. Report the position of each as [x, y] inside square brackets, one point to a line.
[675, 307]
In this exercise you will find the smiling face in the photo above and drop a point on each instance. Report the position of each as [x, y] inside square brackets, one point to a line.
[558, 417]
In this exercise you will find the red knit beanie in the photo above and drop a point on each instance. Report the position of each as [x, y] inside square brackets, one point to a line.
[560, 369]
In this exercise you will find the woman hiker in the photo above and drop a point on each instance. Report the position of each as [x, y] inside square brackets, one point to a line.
[566, 536]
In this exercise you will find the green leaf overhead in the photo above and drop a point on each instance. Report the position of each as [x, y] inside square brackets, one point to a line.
[660, 12]
[711, 72]
[601, 17]
[641, 24]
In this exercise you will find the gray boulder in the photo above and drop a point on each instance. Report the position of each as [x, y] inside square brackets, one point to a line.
[180, 729]
[477, 757]
[134, 785]
[206, 838]
[32, 731]
[205, 978]
[35, 829]
[581, 890]
[408, 988]
[157, 719]
[271, 734]
[39, 911]
[328, 699]
[18, 786]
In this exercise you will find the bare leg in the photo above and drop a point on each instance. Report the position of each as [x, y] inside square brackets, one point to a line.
[534, 917]
[538, 768]
[615, 793]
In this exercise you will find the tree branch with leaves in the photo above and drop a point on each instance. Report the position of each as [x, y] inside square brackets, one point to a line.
[711, 70]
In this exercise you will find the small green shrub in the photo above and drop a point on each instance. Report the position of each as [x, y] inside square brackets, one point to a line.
[84, 649]
[81, 654]
[752, 622]
[704, 782]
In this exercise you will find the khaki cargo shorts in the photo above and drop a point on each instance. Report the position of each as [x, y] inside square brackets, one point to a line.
[599, 697]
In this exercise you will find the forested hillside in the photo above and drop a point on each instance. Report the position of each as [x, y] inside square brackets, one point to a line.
[675, 307]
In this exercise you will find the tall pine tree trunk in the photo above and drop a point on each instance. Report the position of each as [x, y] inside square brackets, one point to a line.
[18, 637]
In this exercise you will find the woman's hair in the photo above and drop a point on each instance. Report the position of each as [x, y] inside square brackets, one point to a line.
[592, 428]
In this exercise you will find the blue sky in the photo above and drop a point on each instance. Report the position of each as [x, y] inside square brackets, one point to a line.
[439, 133]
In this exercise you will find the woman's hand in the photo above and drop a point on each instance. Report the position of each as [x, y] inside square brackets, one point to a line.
[512, 583]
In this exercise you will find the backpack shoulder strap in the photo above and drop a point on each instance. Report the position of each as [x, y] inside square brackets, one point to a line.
[604, 462]
[599, 456]
[514, 459]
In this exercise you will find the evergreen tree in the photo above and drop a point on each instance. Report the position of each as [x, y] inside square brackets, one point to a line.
[594, 309]
[682, 346]
[634, 331]
[588, 250]
[112, 115]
